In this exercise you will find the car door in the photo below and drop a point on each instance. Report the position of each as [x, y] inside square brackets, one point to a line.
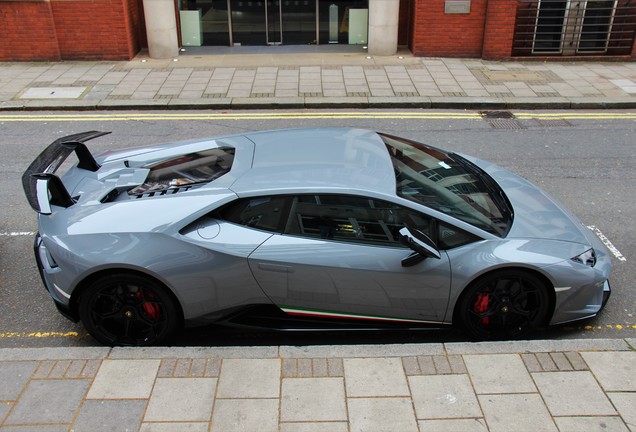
[340, 256]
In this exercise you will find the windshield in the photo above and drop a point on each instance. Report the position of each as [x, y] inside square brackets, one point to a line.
[450, 184]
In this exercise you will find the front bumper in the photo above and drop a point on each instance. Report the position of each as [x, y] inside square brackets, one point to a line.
[64, 309]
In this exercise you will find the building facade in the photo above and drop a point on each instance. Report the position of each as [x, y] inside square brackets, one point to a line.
[49, 30]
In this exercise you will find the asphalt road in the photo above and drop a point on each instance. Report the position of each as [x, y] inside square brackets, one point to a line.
[585, 159]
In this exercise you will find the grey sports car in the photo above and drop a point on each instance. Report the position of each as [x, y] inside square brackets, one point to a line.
[324, 228]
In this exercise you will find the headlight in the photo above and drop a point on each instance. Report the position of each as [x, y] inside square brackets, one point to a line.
[588, 258]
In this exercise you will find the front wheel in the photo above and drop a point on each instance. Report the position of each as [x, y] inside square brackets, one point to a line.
[128, 310]
[504, 305]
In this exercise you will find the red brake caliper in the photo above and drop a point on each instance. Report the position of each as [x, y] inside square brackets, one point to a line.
[481, 306]
[152, 309]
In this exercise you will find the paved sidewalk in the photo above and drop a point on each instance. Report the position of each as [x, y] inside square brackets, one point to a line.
[568, 385]
[314, 80]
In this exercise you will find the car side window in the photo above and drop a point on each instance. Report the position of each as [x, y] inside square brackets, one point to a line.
[450, 237]
[265, 213]
[352, 218]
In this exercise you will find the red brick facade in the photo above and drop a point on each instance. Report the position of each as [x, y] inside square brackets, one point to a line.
[488, 31]
[27, 31]
[69, 30]
[35, 30]
[436, 34]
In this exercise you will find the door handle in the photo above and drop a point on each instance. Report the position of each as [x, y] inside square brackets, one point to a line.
[275, 268]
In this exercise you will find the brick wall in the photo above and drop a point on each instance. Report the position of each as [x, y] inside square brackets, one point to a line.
[499, 29]
[27, 31]
[69, 29]
[95, 29]
[436, 34]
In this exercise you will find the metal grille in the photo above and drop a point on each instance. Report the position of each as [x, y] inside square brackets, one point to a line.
[569, 27]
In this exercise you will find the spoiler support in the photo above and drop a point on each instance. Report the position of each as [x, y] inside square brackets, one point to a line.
[86, 159]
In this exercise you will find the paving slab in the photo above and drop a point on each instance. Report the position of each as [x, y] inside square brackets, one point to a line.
[516, 412]
[124, 379]
[14, 376]
[245, 415]
[181, 399]
[615, 371]
[590, 424]
[250, 378]
[48, 401]
[443, 397]
[35, 428]
[315, 427]
[313, 399]
[381, 415]
[5, 406]
[534, 346]
[175, 427]
[572, 394]
[499, 373]
[375, 377]
[625, 404]
[109, 415]
[452, 425]
[17, 354]
[354, 351]
[194, 352]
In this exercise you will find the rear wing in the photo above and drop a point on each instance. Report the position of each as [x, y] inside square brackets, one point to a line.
[41, 186]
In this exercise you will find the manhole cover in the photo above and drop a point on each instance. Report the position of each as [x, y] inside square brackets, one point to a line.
[516, 75]
[53, 93]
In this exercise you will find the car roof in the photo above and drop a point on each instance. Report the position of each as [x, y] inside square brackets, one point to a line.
[337, 159]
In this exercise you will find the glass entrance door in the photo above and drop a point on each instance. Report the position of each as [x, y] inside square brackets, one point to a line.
[248, 22]
[299, 22]
[272, 22]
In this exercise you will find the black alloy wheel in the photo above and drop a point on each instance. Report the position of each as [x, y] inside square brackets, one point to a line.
[504, 305]
[128, 310]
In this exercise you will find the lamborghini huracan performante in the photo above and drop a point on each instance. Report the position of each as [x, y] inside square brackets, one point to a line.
[325, 228]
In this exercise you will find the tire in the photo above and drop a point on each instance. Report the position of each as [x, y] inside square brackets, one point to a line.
[504, 305]
[128, 310]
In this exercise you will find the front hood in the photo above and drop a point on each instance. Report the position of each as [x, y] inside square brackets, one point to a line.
[537, 215]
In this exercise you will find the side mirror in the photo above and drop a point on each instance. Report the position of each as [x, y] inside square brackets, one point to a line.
[418, 242]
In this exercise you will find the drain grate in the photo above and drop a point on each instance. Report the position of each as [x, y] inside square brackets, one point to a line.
[496, 114]
[501, 120]
[554, 122]
[505, 124]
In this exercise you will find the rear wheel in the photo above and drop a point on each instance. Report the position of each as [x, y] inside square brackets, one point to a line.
[504, 305]
[128, 310]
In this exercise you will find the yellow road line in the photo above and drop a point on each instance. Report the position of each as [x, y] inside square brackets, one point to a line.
[299, 115]
[574, 116]
[234, 116]
[54, 334]
[604, 327]
[37, 335]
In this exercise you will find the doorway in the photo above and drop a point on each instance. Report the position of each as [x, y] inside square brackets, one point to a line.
[271, 22]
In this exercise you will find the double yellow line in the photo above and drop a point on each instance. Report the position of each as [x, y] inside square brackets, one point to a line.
[300, 115]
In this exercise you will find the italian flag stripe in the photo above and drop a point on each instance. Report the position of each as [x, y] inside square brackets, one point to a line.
[327, 314]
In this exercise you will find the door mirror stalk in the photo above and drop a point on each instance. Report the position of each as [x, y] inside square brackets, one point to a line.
[420, 243]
